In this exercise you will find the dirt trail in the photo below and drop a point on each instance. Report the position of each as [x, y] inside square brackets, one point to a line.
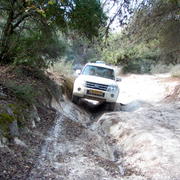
[118, 145]
[145, 87]
[138, 91]
[74, 151]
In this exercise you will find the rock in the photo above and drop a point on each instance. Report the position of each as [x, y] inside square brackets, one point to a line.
[33, 124]
[14, 130]
[19, 142]
[2, 94]
[34, 117]
[3, 142]
[9, 111]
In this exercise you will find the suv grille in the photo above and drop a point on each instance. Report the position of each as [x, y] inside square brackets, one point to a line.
[96, 86]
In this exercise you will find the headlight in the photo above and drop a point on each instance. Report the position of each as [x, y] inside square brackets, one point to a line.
[112, 88]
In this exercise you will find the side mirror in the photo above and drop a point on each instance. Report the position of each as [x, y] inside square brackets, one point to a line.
[118, 79]
[78, 72]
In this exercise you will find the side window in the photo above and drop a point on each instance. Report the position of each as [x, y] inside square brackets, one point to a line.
[89, 70]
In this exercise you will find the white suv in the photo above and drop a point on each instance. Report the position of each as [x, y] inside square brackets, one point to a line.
[96, 81]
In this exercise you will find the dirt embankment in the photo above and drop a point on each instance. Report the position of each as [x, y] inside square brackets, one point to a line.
[26, 115]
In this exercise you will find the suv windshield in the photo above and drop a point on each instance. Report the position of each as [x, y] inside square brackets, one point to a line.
[99, 71]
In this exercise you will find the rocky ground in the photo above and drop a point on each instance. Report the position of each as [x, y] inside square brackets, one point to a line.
[138, 141]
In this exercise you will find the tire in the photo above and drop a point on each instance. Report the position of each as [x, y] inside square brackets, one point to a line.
[110, 106]
[75, 99]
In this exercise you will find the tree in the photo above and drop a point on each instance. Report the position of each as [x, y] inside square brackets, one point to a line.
[29, 27]
[159, 19]
[118, 11]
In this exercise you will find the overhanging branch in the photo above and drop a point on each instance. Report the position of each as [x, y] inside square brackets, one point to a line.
[20, 21]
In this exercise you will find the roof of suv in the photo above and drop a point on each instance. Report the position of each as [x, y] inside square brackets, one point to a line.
[100, 65]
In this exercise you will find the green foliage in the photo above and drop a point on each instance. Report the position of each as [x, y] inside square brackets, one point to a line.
[80, 50]
[40, 54]
[23, 92]
[30, 29]
[170, 41]
[138, 66]
[6, 118]
[19, 113]
[91, 16]
[135, 57]
[5, 121]
[152, 36]
[158, 19]
[24, 71]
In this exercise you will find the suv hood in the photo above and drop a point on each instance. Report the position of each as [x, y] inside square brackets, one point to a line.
[96, 79]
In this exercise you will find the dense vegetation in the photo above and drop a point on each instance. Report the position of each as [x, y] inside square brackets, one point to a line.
[31, 30]
[38, 33]
[152, 36]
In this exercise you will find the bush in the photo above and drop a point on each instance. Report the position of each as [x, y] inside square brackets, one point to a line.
[23, 92]
[175, 71]
[138, 66]
[62, 67]
[160, 68]
[5, 121]
[66, 69]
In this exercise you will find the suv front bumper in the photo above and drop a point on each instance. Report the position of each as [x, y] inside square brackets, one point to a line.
[95, 94]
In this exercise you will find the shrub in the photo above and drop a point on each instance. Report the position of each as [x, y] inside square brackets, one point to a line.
[5, 121]
[62, 67]
[175, 71]
[23, 92]
[65, 68]
[160, 68]
[138, 66]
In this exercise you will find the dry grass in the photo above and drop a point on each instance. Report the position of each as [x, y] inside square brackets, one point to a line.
[161, 68]
[62, 67]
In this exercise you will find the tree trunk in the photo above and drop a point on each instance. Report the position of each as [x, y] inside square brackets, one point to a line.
[5, 55]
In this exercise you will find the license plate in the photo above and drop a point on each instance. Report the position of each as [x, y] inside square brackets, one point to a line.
[95, 92]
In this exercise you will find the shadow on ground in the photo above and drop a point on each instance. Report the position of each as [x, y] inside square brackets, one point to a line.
[99, 108]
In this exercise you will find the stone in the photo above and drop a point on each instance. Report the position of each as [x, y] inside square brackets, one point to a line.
[14, 130]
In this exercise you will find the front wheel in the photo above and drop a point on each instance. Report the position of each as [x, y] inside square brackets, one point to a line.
[75, 99]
